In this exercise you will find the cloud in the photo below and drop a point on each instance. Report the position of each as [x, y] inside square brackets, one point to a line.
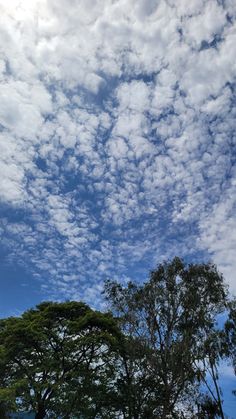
[117, 139]
[205, 25]
[218, 235]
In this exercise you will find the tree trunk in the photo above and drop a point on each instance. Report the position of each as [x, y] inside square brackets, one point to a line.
[166, 403]
[41, 413]
[214, 377]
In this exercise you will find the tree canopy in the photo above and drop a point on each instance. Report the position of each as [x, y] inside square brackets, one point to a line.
[47, 349]
[173, 316]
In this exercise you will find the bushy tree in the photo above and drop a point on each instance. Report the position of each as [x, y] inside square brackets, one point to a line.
[50, 348]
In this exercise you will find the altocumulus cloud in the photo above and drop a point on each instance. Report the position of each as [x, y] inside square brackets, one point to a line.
[117, 144]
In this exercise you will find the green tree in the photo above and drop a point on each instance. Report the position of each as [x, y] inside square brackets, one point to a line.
[171, 317]
[229, 336]
[7, 395]
[208, 408]
[50, 348]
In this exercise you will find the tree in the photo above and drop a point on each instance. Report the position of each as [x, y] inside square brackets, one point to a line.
[48, 349]
[208, 408]
[7, 395]
[229, 336]
[171, 317]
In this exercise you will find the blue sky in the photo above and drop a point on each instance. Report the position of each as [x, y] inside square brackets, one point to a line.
[117, 143]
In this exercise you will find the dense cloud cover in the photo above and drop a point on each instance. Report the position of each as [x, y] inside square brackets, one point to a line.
[117, 145]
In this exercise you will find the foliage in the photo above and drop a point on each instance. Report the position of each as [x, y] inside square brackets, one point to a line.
[229, 336]
[47, 348]
[172, 316]
[150, 357]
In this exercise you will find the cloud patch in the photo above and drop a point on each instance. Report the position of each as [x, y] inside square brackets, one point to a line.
[117, 145]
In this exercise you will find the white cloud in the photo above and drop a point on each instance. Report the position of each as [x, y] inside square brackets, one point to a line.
[117, 135]
[218, 235]
[204, 25]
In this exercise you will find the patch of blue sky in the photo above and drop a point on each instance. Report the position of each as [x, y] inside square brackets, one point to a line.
[18, 292]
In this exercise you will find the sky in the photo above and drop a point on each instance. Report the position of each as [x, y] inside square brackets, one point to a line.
[117, 143]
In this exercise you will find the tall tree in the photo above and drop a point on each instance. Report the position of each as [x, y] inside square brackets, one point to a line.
[171, 317]
[229, 336]
[50, 347]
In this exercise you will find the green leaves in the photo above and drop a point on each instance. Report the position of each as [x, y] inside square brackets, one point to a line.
[151, 358]
[172, 316]
[49, 347]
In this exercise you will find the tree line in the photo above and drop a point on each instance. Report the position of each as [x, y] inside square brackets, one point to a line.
[154, 354]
